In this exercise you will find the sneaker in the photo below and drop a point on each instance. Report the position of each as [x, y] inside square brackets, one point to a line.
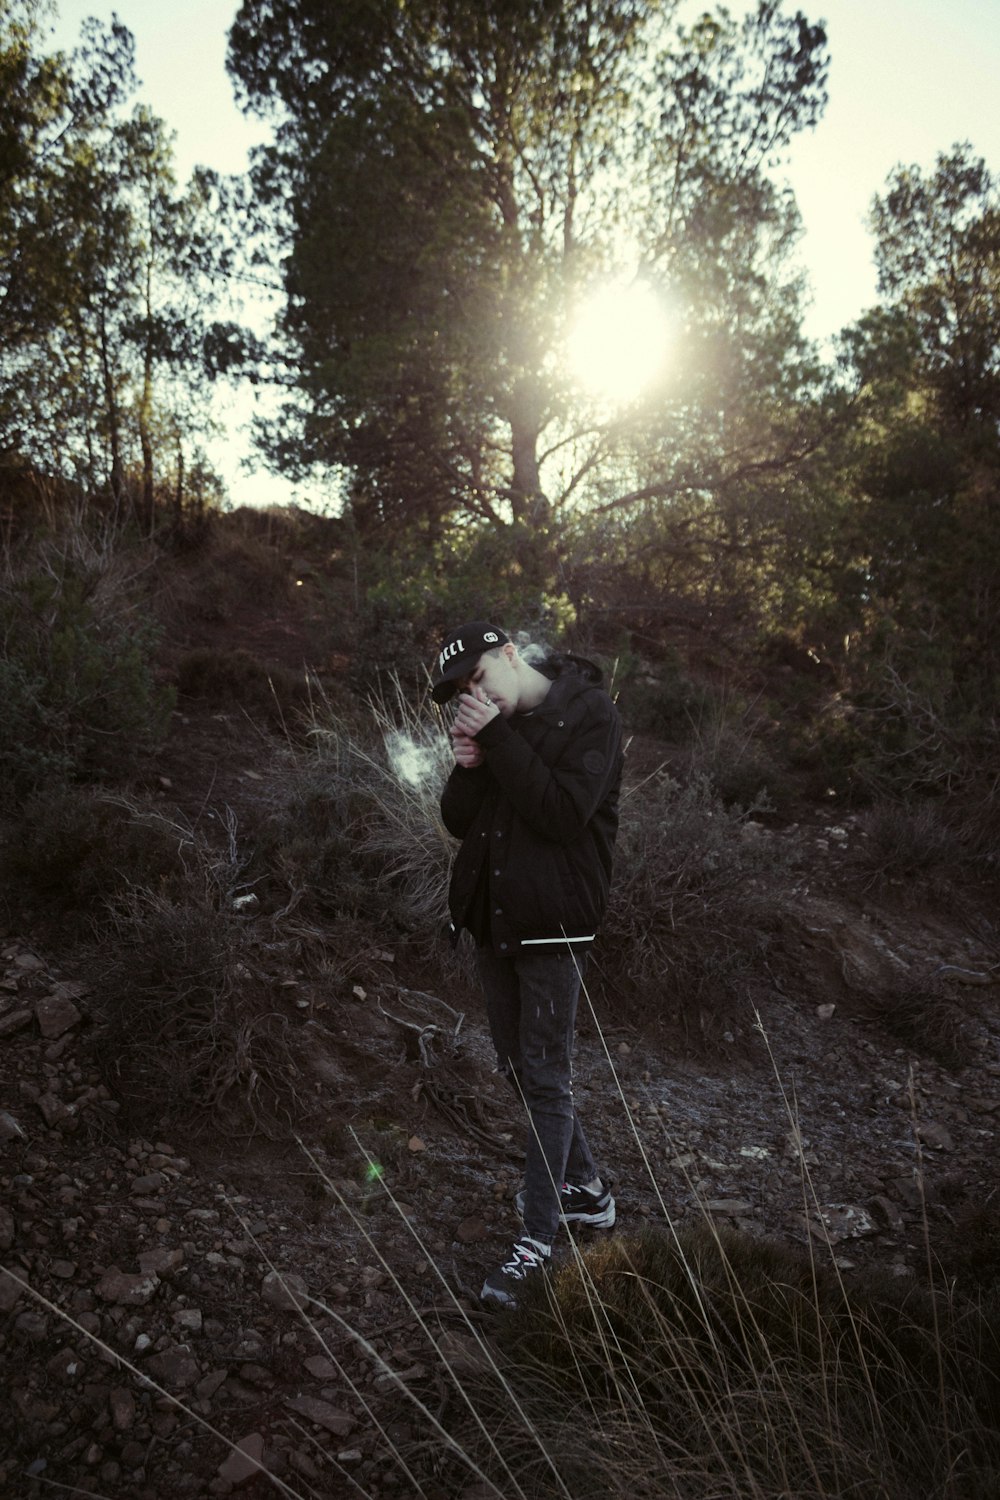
[581, 1206]
[503, 1286]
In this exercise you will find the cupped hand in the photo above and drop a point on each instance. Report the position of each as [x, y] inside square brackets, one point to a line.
[467, 753]
[475, 710]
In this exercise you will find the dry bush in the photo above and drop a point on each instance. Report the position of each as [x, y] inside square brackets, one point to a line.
[215, 579]
[696, 1366]
[187, 1026]
[698, 890]
[907, 840]
[924, 1018]
[361, 827]
[271, 693]
[70, 850]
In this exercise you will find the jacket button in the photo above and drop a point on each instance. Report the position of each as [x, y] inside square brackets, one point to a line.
[496, 872]
[503, 947]
[498, 912]
[562, 723]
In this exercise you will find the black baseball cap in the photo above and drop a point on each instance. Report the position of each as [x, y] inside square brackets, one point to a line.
[460, 650]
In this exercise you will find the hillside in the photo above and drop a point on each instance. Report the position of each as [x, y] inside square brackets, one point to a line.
[194, 1276]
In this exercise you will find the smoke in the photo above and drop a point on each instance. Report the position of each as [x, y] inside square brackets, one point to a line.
[415, 764]
[530, 651]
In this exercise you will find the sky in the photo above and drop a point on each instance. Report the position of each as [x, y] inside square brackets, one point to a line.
[908, 79]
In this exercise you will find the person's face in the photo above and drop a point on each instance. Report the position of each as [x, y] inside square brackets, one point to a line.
[495, 675]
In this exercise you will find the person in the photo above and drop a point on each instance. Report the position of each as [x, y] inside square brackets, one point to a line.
[533, 797]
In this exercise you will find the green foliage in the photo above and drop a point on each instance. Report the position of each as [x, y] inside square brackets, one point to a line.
[450, 180]
[76, 677]
[108, 276]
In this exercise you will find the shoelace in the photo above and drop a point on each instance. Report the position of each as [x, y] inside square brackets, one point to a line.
[523, 1259]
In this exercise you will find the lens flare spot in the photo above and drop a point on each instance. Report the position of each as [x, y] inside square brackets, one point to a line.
[619, 340]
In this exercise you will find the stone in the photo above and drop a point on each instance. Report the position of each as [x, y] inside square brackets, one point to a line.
[886, 1212]
[55, 1014]
[175, 1368]
[331, 1418]
[320, 1367]
[209, 1384]
[161, 1262]
[7, 1228]
[10, 1130]
[935, 1136]
[471, 1230]
[189, 1318]
[10, 1291]
[285, 1291]
[127, 1289]
[122, 1405]
[150, 1183]
[14, 1020]
[243, 1463]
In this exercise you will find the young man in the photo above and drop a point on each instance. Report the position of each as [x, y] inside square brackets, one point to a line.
[534, 799]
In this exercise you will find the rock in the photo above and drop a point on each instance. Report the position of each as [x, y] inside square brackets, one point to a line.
[825, 1012]
[189, 1318]
[175, 1368]
[6, 1228]
[244, 1463]
[53, 1110]
[332, 1418]
[845, 1221]
[320, 1367]
[934, 1135]
[734, 1207]
[10, 1291]
[471, 1230]
[122, 1405]
[887, 1213]
[161, 1262]
[55, 1014]
[285, 1291]
[209, 1384]
[14, 1020]
[463, 1354]
[10, 1130]
[127, 1289]
[150, 1183]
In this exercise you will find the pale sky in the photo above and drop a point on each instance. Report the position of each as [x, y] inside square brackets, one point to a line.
[908, 78]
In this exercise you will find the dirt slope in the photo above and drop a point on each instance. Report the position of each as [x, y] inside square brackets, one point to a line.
[186, 1255]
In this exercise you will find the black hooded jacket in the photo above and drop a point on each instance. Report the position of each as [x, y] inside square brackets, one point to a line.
[538, 818]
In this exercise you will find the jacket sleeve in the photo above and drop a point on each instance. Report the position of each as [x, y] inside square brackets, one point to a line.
[462, 798]
[558, 801]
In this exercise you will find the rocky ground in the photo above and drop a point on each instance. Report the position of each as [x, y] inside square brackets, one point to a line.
[163, 1295]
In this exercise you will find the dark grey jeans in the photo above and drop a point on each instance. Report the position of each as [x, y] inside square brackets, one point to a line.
[531, 1002]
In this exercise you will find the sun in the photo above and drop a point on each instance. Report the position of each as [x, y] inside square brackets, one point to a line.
[618, 340]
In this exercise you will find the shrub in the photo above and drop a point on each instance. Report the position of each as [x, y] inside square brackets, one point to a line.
[76, 680]
[695, 897]
[692, 1364]
[186, 1024]
[361, 827]
[926, 1020]
[70, 850]
[273, 693]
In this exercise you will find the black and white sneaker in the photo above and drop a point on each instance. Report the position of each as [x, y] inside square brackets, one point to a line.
[528, 1259]
[578, 1205]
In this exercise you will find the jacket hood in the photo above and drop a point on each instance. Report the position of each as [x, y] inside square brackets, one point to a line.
[565, 664]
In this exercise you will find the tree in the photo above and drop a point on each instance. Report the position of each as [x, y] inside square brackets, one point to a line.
[923, 470]
[108, 271]
[450, 177]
